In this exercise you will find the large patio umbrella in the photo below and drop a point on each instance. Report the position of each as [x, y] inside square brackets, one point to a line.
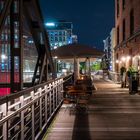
[76, 50]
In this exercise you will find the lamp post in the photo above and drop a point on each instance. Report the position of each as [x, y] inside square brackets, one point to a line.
[55, 63]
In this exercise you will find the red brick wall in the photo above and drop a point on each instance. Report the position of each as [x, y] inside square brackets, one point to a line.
[125, 14]
[131, 45]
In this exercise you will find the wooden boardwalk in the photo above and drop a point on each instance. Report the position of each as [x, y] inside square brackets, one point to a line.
[112, 114]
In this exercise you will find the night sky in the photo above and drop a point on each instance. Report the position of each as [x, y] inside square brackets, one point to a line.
[92, 19]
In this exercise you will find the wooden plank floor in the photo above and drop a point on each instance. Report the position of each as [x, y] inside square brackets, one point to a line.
[112, 114]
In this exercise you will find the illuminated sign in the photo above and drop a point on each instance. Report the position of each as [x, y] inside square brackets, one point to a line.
[50, 24]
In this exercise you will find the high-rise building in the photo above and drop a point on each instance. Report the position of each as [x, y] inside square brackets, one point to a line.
[112, 44]
[109, 45]
[60, 33]
[107, 51]
[127, 50]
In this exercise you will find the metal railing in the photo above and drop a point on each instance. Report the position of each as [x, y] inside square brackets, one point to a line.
[115, 77]
[26, 114]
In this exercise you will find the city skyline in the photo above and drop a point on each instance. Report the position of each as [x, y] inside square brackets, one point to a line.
[92, 20]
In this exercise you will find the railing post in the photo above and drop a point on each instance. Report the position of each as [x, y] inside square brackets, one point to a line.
[40, 106]
[53, 94]
[46, 103]
[59, 91]
[50, 94]
[33, 120]
[57, 83]
[22, 118]
[61, 82]
[5, 125]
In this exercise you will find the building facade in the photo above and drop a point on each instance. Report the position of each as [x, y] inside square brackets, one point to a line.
[29, 50]
[60, 33]
[113, 44]
[107, 51]
[127, 24]
[109, 45]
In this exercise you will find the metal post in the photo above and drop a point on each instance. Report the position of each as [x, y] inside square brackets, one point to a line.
[76, 69]
[5, 125]
[33, 118]
[46, 102]
[56, 93]
[50, 94]
[16, 51]
[40, 92]
[47, 72]
[21, 44]
[61, 94]
[12, 45]
[22, 118]
[53, 94]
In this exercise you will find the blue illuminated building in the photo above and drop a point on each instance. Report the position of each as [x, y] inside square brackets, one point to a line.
[60, 33]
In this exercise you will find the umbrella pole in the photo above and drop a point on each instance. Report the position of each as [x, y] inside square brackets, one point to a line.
[76, 69]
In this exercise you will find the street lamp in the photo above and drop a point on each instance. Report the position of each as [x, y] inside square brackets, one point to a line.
[128, 58]
[123, 59]
[55, 62]
[55, 57]
[117, 61]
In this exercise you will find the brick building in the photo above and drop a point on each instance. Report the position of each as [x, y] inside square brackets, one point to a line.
[127, 50]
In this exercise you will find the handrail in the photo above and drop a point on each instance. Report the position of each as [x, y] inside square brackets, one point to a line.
[30, 110]
[23, 92]
[114, 76]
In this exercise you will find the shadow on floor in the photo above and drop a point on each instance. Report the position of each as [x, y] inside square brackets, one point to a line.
[81, 125]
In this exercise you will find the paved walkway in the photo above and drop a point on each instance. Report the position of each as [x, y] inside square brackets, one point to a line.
[112, 114]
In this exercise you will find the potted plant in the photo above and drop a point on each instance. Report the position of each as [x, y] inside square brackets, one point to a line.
[132, 74]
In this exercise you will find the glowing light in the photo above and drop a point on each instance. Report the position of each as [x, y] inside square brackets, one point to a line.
[128, 57]
[3, 56]
[51, 24]
[117, 61]
[24, 36]
[30, 41]
[123, 59]
[55, 47]
[55, 57]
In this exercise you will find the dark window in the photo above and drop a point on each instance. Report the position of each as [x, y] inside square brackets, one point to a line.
[118, 8]
[131, 22]
[118, 32]
[123, 4]
[56, 39]
[1, 5]
[123, 29]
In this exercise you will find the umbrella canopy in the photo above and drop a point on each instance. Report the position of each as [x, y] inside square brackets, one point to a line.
[76, 50]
